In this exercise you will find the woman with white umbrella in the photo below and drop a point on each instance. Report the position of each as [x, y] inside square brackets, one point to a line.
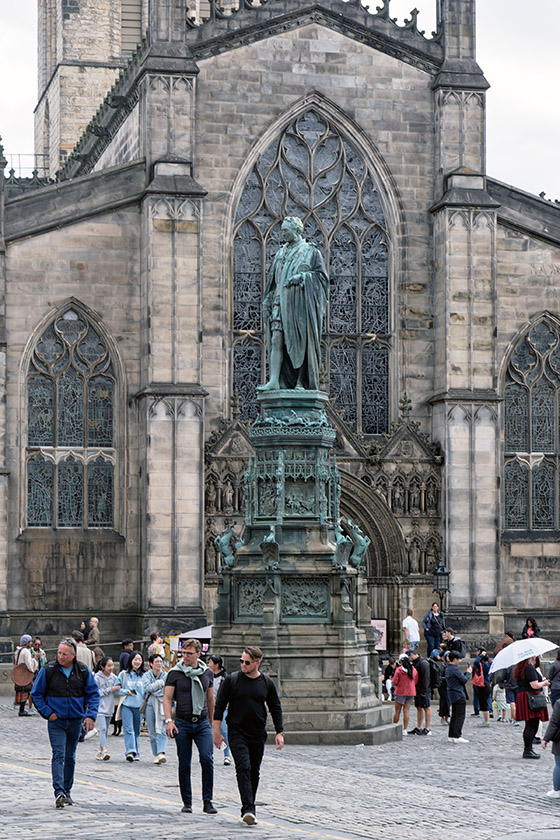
[530, 705]
[529, 686]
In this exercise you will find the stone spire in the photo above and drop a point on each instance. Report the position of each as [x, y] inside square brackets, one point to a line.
[459, 69]
[167, 36]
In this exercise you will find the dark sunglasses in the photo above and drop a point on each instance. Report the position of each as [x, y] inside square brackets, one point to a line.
[246, 661]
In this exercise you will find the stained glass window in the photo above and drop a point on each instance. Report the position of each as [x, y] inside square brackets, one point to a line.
[71, 452]
[531, 431]
[314, 172]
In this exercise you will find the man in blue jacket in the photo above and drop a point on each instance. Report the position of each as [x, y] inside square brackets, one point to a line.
[65, 693]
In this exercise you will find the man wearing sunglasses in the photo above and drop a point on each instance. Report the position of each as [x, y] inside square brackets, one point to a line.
[246, 694]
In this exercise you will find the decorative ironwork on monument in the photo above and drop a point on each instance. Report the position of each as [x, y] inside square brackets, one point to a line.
[312, 171]
[403, 469]
[531, 430]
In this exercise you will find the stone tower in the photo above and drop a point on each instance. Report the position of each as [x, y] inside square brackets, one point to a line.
[82, 45]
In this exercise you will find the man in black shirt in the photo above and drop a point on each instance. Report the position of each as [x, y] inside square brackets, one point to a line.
[246, 694]
[190, 684]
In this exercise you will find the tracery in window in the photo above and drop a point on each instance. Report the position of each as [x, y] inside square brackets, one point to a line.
[70, 454]
[312, 171]
[531, 431]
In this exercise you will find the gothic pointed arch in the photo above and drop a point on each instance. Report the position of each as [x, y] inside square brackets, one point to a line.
[72, 423]
[314, 163]
[386, 556]
[531, 424]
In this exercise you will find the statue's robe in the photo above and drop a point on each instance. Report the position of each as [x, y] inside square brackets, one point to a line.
[301, 309]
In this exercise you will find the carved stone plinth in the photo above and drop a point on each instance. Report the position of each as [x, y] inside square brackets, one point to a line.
[292, 589]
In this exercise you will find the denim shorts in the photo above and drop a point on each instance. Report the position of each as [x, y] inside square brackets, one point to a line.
[404, 700]
[510, 696]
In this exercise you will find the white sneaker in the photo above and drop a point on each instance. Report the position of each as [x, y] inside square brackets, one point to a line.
[249, 818]
[462, 740]
[91, 733]
[554, 794]
[160, 759]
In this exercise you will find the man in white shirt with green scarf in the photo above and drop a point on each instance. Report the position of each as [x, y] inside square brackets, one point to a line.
[190, 684]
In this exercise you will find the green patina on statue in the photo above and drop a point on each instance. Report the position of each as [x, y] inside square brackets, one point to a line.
[295, 298]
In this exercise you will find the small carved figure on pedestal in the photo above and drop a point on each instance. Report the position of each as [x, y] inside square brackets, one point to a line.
[398, 498]
[227, 497]
[342, 550]
[211, 497]
[227, 543]
[210, 550]
[269, 550]
[361, 544]
[414, 558]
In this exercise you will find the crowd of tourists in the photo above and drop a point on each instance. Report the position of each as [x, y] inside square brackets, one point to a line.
[195, 701]
[518, 693]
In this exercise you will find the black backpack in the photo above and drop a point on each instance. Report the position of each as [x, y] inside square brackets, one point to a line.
[80, 668]
[436, 673]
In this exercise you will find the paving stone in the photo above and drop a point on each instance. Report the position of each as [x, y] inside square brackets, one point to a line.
[422, 787]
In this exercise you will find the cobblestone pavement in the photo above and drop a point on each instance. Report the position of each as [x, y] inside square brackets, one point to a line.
[421, 788]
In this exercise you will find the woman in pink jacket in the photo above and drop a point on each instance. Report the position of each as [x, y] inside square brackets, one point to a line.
[404, 680]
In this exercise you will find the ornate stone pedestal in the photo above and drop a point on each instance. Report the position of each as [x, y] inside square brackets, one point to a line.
[292, 588]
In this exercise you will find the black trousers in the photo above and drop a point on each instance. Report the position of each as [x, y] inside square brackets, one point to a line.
[531, 727]
[458, 712]
[247, 754]
[483, 693]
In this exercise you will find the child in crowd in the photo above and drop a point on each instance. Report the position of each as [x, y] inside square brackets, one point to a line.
[499, 701]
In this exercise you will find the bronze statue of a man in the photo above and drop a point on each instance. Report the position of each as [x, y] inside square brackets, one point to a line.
[296, 294]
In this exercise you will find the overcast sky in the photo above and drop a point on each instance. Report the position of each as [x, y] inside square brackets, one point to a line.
[518, 48]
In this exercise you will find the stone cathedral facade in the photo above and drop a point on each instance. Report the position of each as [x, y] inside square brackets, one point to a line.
[178, 135]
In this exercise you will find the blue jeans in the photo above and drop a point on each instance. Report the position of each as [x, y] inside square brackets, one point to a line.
[131, 720]
[556, 773]
[103, 724]
[158, 742]
[63, 735]
[201, 734]
[223, 732]
[432, 641]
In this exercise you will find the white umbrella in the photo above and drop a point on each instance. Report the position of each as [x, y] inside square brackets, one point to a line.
[523, 649]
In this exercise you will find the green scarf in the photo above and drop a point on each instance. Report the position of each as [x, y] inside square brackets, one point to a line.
[197, 691]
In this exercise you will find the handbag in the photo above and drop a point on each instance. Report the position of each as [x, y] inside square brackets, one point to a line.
[22, 677]
[478, 679]
[118, 710]
[536, 701]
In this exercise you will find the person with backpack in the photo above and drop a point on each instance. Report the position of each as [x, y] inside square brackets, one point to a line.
[405, 680]
[437, 667]
[481, 685]
[433, 625]
[247, 694]
[453, 642]
[423, 696]
[65, 693]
